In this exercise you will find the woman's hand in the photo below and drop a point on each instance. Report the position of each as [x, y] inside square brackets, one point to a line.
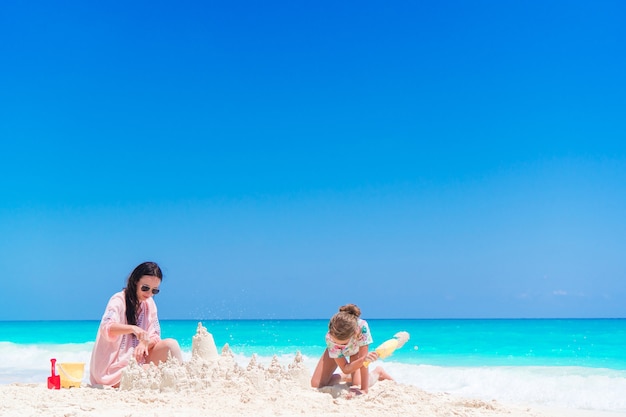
[140, 333]
[141, 351]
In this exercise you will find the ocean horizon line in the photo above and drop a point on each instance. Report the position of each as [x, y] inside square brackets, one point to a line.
[327, 318]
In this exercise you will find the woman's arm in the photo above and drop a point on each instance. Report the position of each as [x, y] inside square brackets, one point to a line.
[145, 344]
[153, 326]
[143, 347]
[119, 329]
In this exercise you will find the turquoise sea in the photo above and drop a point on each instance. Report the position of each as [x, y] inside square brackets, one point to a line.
[570, 363]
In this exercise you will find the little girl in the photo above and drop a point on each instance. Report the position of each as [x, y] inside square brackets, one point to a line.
[347, 347]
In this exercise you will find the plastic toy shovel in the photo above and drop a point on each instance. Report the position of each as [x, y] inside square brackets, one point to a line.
[54, 381]
[388, 347]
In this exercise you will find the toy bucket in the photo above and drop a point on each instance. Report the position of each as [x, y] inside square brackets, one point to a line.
[71, 373]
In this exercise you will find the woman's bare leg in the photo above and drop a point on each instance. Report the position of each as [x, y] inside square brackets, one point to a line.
[160, 351]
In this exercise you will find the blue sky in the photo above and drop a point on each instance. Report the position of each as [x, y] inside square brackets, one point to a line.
[278, 159]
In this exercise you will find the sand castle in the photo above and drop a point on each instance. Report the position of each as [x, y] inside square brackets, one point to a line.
[207, 369]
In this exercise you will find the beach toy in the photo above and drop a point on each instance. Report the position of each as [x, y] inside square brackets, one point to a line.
[71, 374]
[54, 381]
[388, 347]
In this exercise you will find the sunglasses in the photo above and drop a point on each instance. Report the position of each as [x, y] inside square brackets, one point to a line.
[146, 288]
[340, 345]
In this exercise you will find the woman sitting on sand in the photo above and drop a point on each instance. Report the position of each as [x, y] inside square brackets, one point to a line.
[130, 325]
[348, 337]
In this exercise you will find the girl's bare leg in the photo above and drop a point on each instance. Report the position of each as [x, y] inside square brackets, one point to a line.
[379, 374]
[324, 375]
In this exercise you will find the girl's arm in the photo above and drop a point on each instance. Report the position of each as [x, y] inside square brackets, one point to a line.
[363, 353]
[349, 367]
[356, 361]
[361, 377]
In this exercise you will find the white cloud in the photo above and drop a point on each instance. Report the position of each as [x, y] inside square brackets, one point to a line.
[559, 293]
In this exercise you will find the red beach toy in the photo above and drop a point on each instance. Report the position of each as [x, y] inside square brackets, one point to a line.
[54, 381]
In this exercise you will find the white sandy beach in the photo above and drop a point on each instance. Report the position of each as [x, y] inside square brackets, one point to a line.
[232, 399]
[213, 384]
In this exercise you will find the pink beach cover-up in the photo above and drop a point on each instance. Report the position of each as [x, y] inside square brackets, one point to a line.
[111, 353]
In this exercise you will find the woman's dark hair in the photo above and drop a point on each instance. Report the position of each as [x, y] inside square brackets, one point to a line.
[146, 268]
